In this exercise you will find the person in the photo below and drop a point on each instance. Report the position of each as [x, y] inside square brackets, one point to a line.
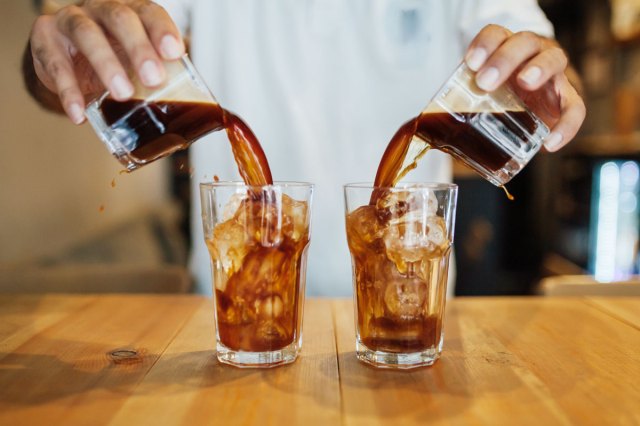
[324, 84]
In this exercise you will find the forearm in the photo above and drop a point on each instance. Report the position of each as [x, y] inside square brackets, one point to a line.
[45, 97]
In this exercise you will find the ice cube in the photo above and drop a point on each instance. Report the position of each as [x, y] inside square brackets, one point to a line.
[229, 245]
[435, 269]
[270, 306]
[262, 220]
[264, 271]
[392, 204]
[413, 238]
[232, 310]
[295, 218]
[427, 201]
[220, 278]
[405, 297]
[363, 228]
[396, 204]
[406, 242]
[437, 233]
[232, 206]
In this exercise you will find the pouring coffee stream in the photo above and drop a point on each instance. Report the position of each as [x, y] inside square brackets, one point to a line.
[492, 133]
[163, 127]
[442, 132]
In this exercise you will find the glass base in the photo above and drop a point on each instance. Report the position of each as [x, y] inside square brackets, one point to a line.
[393, 360]
[267, 359]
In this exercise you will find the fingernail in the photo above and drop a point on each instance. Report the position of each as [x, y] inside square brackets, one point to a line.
[76, 113]
[553, 141]
[531, 76]
[475, 58]
[150, 73]
[170, 47]
[121, 87]
[486, 80]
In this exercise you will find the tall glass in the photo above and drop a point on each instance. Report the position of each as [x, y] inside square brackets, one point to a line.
[400, 241]
[258, 238]
[157, 121]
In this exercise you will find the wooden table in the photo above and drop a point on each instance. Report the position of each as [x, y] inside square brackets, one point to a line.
[506, 361]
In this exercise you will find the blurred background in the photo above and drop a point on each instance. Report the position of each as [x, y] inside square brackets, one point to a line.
[68, 214]
[576, 212]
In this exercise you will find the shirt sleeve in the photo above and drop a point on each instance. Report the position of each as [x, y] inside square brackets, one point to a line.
[180, 11]
[516, 15]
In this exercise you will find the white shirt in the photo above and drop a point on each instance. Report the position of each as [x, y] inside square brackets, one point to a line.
[324, 84]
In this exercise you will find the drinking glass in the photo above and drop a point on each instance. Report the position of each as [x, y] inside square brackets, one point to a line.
[258, 238]
[158, 121]
[494, 133]
[400, 241]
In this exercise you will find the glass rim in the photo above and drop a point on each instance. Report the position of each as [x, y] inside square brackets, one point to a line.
[157, 92]
[403, 186]
[192, 74]
[241, 184]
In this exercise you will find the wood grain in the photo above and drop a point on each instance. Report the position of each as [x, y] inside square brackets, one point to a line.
[25, 316]
[626, 310]
[506, 361]
[188, 386]
[64, 373]
[576, 359]
[532, 361]
[460, 387]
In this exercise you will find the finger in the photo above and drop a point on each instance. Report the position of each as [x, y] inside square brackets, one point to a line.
[542, 68]
[507, 58]
[573, 113]
[125, 25]
[50, 57]
[91, 41]
[162, 31]
[484, 44]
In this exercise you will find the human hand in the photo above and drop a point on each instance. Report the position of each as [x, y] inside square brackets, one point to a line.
[81, 50]
[537, 68]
